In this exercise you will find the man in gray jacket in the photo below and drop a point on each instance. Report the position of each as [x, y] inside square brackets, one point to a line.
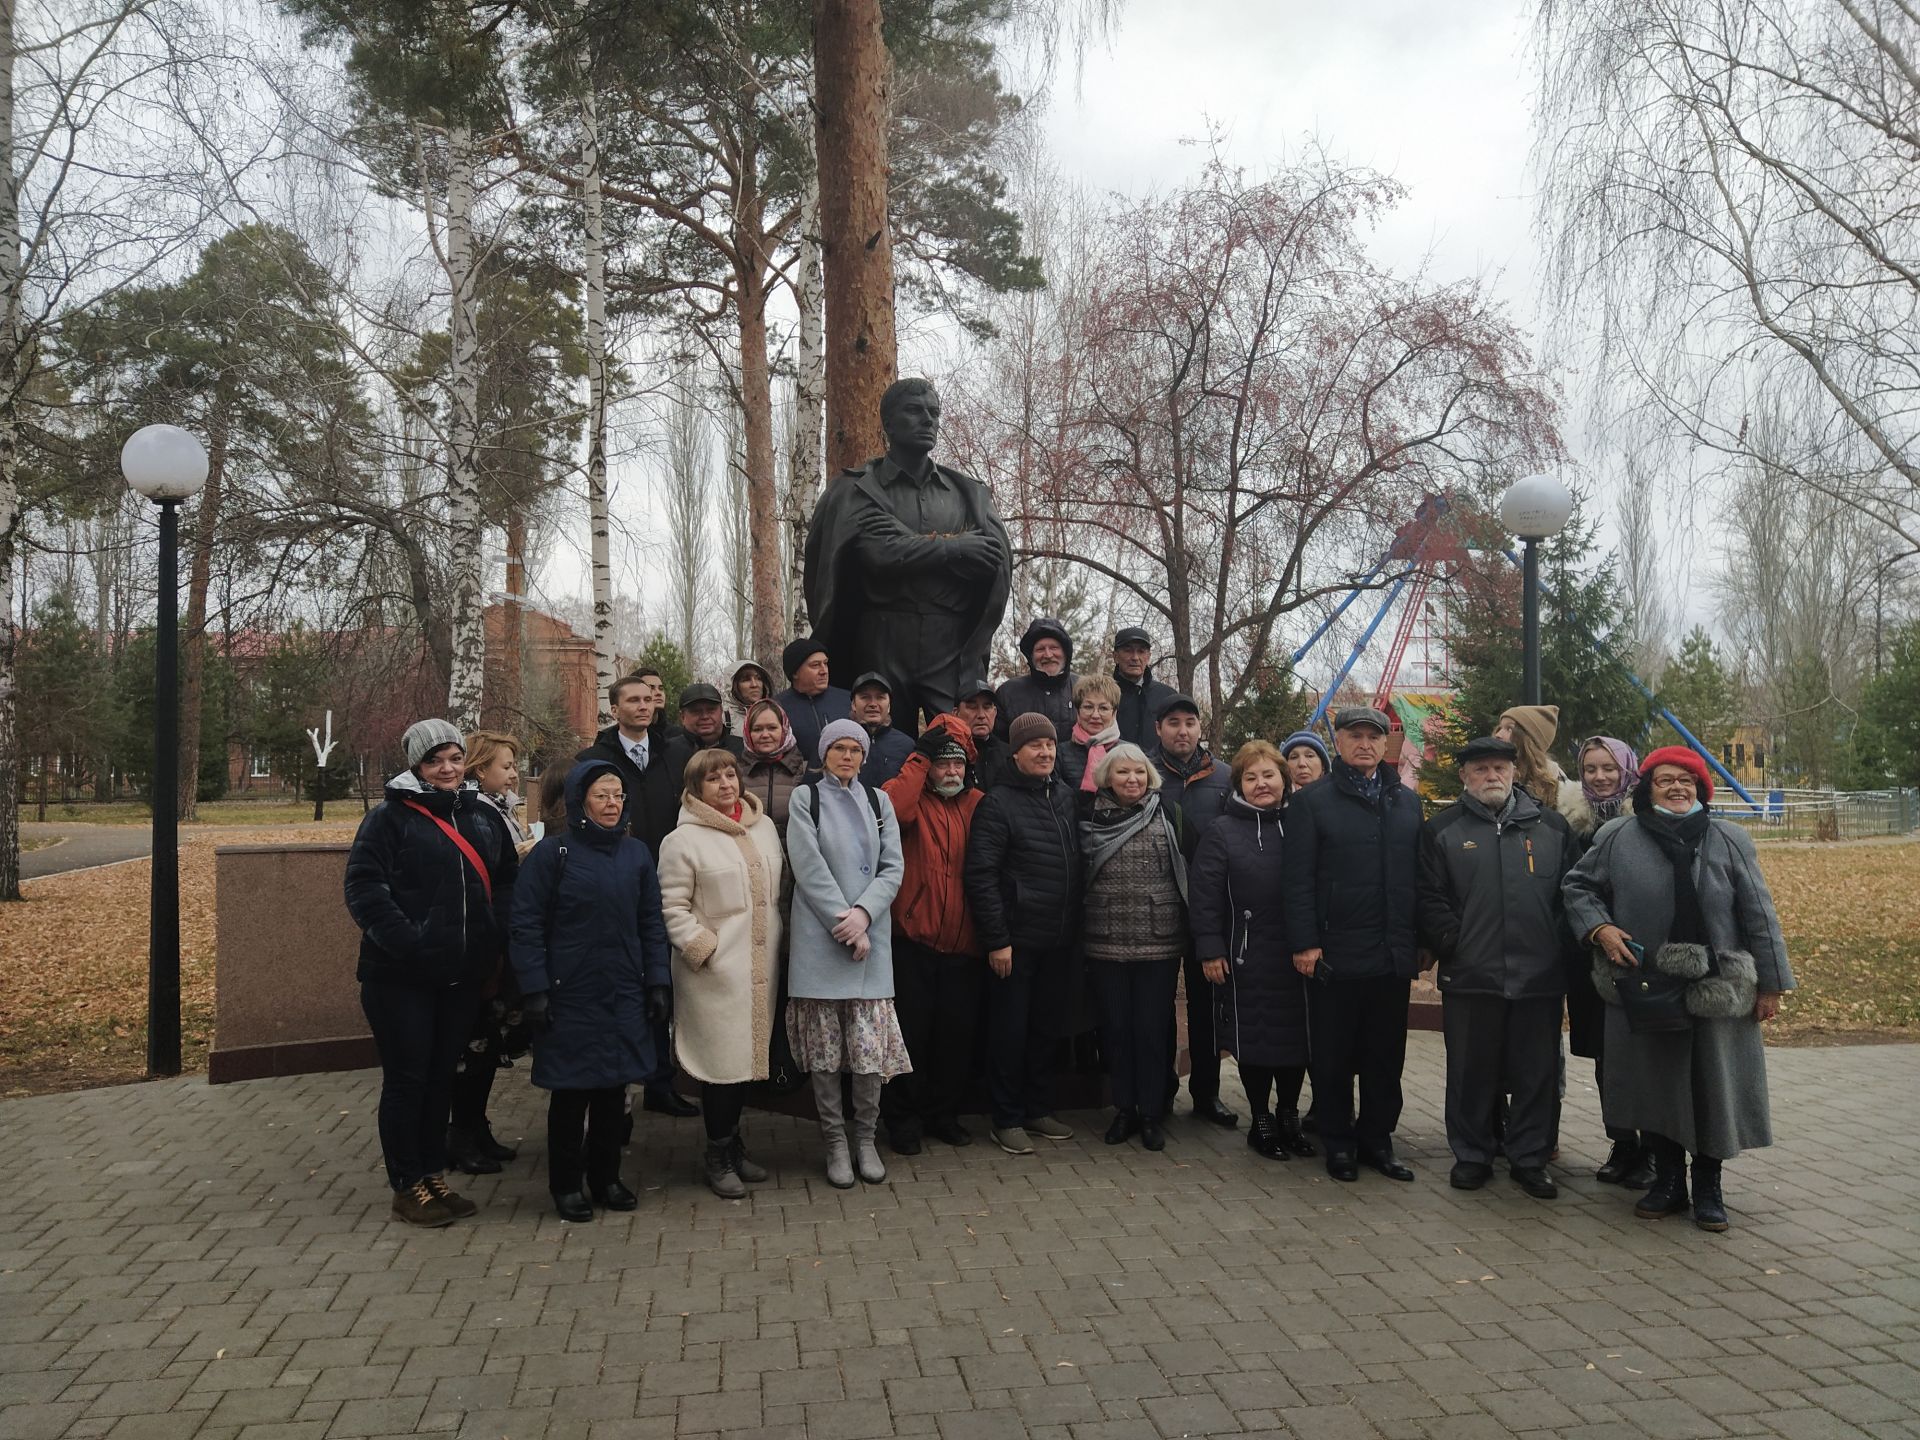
[1489, 908]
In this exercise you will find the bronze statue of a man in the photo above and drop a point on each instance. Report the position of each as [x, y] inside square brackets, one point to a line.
[907, 565]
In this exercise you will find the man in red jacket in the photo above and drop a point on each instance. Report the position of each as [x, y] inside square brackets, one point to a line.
[938, 976]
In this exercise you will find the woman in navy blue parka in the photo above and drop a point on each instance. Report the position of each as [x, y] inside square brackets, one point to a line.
[589, 949]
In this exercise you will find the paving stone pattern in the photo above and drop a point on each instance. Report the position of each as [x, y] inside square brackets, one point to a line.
[182, 1261]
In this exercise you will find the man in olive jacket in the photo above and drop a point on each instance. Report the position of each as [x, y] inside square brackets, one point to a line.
[1353, 842]
[1491, 865]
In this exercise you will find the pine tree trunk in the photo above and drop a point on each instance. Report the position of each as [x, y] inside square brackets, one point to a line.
[11, 275]
[807, 458]
[467, 683]
[854, 74]
[756, 415]
[598, 519]
[193, 654]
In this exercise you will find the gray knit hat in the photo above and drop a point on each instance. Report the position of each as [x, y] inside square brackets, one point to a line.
[423, 737]
[844, 730]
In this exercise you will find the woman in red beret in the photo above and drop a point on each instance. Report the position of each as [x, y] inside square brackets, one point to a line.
[1678, 891]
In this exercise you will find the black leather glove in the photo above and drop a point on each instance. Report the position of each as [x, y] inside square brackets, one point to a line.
[933, 740]
[659, 1004]
[533, 1011]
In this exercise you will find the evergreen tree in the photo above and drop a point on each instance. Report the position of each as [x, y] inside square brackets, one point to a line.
[676, 672]
[1273, 708]
[63, 705]
[131, 688]
[1585, 646]
[1885, 747]
[1701, 692]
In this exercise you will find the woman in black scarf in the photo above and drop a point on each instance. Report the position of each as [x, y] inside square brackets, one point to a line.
[1679, 891]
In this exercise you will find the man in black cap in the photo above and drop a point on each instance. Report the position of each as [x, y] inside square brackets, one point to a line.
[1491, 865]
[1352, 853]
[1141, 696]
[703, 722]
[873, 712]
[907, 564]
[1047, 687]
[1199, 784]
[810, 701]
[979, 707]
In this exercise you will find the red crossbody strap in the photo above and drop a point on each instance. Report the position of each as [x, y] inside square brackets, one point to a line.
[466, 846]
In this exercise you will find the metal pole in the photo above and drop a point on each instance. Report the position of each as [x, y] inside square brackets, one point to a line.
[163, 925]
[1530, 618]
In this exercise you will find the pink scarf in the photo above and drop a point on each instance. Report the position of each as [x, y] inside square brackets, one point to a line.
[1097, 747]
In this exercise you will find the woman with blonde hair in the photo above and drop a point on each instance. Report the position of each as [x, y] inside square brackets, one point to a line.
[1096, 730]
[499, 1037]
[1531, 730]
[1240, 935]
[1134, 930]
[720, 892]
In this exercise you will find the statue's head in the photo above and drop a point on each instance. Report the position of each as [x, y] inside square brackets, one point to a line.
[910, 414]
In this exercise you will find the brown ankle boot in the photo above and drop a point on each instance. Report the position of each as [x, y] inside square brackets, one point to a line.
[418, 1205]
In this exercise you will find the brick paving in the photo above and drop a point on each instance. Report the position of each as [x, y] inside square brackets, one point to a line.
[183, 1261]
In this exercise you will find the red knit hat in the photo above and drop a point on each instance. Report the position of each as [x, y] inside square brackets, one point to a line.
[1687, 759]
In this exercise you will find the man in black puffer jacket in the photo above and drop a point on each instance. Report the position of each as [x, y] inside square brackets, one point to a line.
[1491, 865]
[432, 926]
[1353, 845]
[1047, 687]
[1023, 880]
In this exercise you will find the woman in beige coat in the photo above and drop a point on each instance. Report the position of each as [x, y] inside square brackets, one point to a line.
[720, 893]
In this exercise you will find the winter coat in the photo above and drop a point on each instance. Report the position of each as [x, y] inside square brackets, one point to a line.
[423, 912]
[931, 908]
[1199, 786]
[734, 710]
[771, 779]
[680, 752]
[1140, 702]
[1050, 695]
[826, 881]
[1586, 1011]
[810, 714]
[1135, 906]
[719, 892]
[889, 752]
[1236, 897]
[653, 799]
[993, 762]
[587, 930]
[1024, 882]
[1705, 1086]
[1350, 876]
[1489, 898]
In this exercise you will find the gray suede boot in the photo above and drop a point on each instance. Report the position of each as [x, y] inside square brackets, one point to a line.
[833, 1129]
[866, 1124]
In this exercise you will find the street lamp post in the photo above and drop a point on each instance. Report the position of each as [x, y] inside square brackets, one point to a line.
[166, 465]
[1535, 509]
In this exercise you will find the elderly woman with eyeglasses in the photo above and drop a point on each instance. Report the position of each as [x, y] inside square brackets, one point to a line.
[1676, 891]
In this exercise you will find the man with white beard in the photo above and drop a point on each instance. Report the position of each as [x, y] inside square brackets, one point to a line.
[1489, 903]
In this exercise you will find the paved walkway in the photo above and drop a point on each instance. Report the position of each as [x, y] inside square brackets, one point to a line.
[81, 845]
[179, 1261]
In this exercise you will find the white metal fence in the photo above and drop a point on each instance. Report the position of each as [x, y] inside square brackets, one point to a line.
[1822, 814]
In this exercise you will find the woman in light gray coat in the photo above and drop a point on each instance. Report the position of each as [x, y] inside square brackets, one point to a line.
[1679, 891]
[843, 848]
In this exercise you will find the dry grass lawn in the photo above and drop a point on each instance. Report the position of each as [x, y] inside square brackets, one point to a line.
[73, 957]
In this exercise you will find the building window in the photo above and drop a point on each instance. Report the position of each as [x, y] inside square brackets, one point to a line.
[1740, 754]
[262, 767]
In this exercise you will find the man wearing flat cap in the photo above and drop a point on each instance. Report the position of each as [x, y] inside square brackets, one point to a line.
[1491, 865]
[1141, 696]
[1353, 844]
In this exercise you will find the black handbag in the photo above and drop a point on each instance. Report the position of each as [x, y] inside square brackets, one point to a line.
[784, 1075]
[1656, 1003]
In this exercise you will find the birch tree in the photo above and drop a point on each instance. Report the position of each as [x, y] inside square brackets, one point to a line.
[1730, 196]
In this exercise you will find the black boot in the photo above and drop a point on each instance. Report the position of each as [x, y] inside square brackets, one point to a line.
[1292, 1135]
[1669, 1193]
[490, 1147]
[1709, 1210]
[1621, 1162]
[466, 1154]
[1263, 1138]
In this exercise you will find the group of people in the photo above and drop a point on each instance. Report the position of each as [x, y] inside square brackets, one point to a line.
[790, 883]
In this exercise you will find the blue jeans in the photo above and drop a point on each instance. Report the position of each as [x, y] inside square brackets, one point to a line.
[420, 1032]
